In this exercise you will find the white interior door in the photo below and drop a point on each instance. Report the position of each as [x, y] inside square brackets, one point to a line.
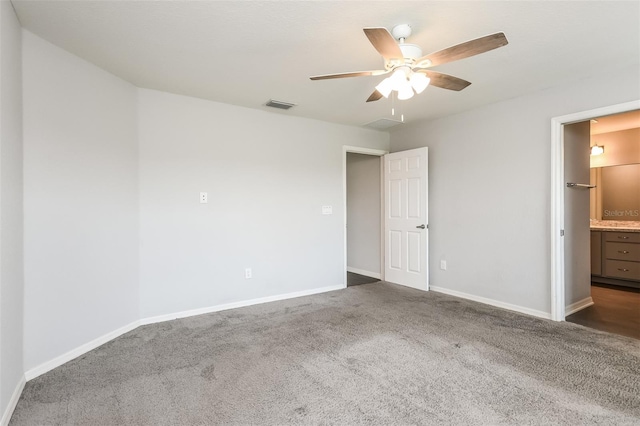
[406, 218]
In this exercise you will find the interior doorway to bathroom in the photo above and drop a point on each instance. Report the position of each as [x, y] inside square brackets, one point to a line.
[608, 307]
[602, 287]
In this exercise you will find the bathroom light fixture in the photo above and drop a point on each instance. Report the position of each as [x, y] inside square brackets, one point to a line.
[597, 150]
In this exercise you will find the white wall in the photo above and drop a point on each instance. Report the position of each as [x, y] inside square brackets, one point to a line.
[267, 176]
[113, 230]
[490, 188]
[11, 231]
[80, 201]
[363, 213]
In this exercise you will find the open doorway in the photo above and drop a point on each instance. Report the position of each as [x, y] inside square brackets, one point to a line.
[613, 286]
[403, 242]
[363, 215]
[559, 257]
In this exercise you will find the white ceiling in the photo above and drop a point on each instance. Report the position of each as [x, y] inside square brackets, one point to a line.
[247, 52]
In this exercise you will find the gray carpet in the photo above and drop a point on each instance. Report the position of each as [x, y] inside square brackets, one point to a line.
[370, 354]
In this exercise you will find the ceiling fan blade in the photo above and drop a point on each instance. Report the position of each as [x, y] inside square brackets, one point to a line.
[384, 43]
[374, 96]
[463, 50]
[445, 81]
[348, 74]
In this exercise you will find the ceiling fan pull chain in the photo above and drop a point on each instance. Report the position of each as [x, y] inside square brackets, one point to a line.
[401, 112]
[393, 103]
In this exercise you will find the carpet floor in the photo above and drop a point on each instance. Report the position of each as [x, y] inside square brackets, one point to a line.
[369, 354]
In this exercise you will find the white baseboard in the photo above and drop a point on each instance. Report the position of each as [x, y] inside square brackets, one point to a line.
[578, 306]
[496, 303]
[234, 305]
[8, 412]
[81, 350]
[375, 275]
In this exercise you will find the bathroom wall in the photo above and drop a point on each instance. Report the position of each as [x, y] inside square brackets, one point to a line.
[622, 147]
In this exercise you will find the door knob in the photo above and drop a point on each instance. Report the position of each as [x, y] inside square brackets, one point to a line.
[421, 226]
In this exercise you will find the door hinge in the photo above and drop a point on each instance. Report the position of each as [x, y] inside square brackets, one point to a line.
[562, 232]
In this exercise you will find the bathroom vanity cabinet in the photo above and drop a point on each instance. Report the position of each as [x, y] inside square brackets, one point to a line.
[615, 257]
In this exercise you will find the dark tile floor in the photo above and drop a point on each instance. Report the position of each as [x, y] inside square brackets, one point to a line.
[616, 310]
[357, 279]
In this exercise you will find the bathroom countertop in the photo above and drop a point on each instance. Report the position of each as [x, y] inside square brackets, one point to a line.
[615, 226]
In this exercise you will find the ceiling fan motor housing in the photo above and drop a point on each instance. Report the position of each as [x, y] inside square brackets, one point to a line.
[410, 51]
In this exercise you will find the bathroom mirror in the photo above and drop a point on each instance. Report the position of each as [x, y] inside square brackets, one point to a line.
[617, 193]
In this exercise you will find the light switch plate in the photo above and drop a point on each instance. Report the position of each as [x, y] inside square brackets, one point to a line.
[327, 209]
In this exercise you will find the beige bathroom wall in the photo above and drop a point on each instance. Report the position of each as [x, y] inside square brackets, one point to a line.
[622, 147]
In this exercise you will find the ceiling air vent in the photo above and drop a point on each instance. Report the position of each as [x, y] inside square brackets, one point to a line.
[279, 104]
[382, 123]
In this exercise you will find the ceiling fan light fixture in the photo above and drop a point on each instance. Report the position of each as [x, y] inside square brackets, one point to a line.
[398, 79]
[385, 87]
[419, 82]
[405, 92]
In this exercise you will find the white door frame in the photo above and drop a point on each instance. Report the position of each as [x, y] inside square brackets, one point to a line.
[376, 153]
[557, 196]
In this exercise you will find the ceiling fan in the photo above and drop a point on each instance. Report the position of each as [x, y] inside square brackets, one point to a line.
[409, 69]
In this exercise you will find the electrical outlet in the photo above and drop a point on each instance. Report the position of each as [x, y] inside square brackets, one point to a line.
[247, 273]
[443, 265]
[203, 197]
